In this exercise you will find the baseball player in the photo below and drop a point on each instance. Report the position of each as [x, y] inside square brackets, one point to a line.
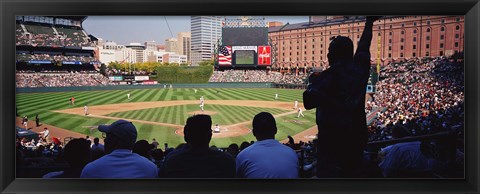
[296, 104]
[217, 129]
[195, 91]
[300, 112]
[72, 100]
[128, 96]
[202, 102]
[45, 132]
[276, 96]
[201, 105]
[25, 122]
[85, 108]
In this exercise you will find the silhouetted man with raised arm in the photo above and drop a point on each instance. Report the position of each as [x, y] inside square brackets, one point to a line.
[338, 94]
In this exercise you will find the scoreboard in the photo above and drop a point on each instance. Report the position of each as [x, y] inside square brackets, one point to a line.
[243, 47]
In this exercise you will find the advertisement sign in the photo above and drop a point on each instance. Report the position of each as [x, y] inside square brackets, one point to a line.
[141, 78]
[244, 48]
[150, 82]
[264, 56]
[71, 62]
[40, 62]
[115, 78]
[129, 77]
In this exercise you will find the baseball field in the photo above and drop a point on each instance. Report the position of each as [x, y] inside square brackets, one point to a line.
[161, 113]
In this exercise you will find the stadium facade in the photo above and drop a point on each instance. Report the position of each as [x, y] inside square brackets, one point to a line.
[206, 30]
[394, 38]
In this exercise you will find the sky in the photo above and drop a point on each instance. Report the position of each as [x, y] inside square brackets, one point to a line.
[138, 29]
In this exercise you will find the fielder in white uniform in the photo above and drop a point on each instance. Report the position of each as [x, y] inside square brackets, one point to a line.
[300, 112]
[296, 104]
[217, 129]
[85, 108]
[128, 96]
[202, 102]
[276, 96]
[201, 105]
[195, 91]
[46, 133]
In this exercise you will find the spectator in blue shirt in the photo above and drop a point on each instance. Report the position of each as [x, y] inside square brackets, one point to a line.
[120, 162]
[266, 158]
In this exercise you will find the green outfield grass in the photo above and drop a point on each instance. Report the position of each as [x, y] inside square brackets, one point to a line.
[45, 103]
[225, 115]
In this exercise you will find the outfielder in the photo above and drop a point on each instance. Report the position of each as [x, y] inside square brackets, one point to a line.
[300, 112]
[195, 91]
[296, 104]
[128, 96]
[276, 96]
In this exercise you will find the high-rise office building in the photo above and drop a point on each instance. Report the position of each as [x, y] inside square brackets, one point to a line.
[183, 46]
[206, 30]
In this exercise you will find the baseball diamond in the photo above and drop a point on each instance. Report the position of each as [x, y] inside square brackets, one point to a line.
[161, 113]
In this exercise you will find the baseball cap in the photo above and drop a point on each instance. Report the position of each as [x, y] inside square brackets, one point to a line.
[122, 129]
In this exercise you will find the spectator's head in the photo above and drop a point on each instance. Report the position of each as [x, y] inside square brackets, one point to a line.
[244, 145]
[399, 131]
[233, 149]
[96, 141]
[143, 148]
[121, 134]
[77, 153]
[157, 154]
[264, 126]
[341, 47]
[198, 130]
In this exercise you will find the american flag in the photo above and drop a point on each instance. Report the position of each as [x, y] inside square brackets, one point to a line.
[224, 55]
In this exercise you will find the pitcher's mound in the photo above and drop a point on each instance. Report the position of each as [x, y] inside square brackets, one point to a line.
[205, 112]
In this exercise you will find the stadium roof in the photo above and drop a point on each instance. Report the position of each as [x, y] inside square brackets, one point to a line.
[304, 25]
[81, 18]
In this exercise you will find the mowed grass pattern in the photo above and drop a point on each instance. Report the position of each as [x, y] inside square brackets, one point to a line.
[44, 103]
[225, 114]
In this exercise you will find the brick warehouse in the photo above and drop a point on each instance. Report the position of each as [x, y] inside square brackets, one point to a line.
[394, 38]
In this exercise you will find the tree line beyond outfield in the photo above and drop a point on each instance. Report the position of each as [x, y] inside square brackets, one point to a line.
[170, 72]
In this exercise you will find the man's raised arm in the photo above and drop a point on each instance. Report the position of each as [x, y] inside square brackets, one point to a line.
[366, 39]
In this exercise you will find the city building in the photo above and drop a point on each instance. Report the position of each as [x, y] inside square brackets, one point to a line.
[171, 45]
[184, 44]
[206, 30]
[150, 45]
[135, 53]
[394, 38]
[170, 57]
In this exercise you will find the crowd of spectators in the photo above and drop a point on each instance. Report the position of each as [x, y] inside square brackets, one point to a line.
[38, 35]
[257, 76]
[427, 98]
[55, 58]
[290, 78]
[245, 76]
[57, 79]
